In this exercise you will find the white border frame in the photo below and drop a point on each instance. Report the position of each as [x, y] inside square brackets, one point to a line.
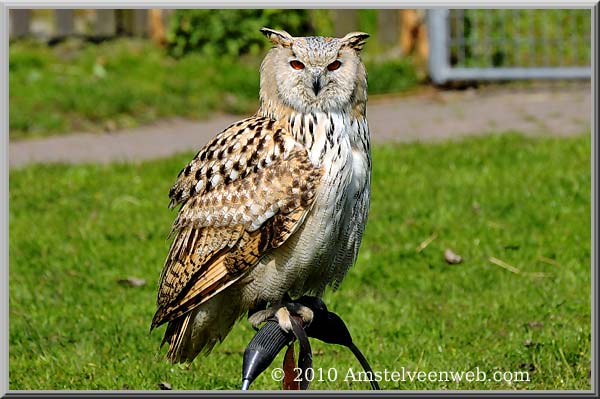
[4, 124]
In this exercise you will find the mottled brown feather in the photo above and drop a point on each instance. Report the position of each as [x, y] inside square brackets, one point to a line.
[231, 155]
[225, 227]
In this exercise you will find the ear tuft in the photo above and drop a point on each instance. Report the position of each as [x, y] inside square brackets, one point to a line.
[279, 37]
[355, 40]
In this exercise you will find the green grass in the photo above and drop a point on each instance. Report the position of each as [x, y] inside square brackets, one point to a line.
[83, 87]
[76, 86]
[76, 230]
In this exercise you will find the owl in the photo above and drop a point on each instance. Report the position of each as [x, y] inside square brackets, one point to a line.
[275, 205]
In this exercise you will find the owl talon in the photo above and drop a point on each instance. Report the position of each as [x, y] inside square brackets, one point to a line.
[259, 317]
[282, 313]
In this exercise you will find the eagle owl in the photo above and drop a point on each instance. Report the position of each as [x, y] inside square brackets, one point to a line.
[275, 205]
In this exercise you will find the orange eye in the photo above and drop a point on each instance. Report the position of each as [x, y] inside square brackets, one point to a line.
[334, 65]
[296, 64]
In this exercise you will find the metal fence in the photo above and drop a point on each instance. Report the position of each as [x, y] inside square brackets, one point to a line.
[509, 44]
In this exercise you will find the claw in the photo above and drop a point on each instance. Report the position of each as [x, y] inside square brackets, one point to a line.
[283, 318]
[282, 313]
[304, 312]
[259, 317]
[308, 313]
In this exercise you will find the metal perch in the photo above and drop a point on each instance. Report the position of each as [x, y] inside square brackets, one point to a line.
[271, 339]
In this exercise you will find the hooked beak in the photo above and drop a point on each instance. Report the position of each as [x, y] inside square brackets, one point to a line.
[316, 86]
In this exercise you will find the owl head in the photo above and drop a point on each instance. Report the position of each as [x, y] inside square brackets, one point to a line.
[313, 73]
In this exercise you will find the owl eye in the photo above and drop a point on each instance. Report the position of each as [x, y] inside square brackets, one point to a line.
[334, 65]
[296, 65]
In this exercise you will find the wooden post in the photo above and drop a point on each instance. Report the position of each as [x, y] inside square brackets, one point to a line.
[140, 26]
[19, 23]
[64, 22]
[106, 23]
[387, 27]
[413, 33]
[413, 36]
[157, 26]
[408, 23]
[345, 21]
[422, 48]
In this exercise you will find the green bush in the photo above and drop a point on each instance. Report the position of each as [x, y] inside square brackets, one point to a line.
[394, 75]
[230, 32]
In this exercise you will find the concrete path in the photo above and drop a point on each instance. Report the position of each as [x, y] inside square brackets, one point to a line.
[555, 109]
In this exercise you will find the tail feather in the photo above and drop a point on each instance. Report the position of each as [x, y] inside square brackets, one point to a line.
[199, 330]
[175, 335]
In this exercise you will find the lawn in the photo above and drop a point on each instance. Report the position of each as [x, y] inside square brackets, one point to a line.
[123, 83]
[75, 231]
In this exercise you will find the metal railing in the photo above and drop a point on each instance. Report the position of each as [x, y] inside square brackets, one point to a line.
[509, 44]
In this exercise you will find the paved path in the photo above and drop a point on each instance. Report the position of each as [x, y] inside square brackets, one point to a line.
[557, 109]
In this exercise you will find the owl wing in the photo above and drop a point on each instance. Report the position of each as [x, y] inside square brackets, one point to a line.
[244, 193]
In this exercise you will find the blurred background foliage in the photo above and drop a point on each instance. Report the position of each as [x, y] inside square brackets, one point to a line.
[231, 32]
[208, 63]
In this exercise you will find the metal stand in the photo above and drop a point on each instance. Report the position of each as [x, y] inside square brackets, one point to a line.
[271, 339]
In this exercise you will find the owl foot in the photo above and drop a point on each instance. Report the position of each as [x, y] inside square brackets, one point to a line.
[318, 323]
[282, 312]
